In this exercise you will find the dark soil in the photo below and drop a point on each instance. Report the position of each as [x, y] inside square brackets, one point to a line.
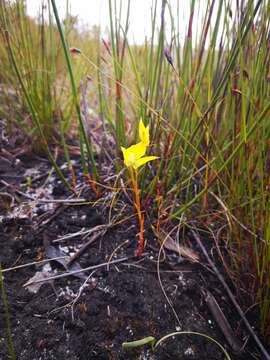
[65, 319]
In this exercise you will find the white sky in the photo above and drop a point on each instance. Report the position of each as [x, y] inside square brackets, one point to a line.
[96, 12]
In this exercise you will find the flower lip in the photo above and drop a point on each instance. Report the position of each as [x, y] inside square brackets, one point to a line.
[133, 153]
[134, 156]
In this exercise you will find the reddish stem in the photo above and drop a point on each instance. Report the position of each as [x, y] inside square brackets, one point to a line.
[134, 178]
[141, 236]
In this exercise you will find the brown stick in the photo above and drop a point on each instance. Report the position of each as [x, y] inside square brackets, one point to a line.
[81, 250]
[223, 323]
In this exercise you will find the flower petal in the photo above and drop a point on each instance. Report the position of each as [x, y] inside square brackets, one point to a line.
[125, 155]
[143, 161]
[137, 150]
[144, 133]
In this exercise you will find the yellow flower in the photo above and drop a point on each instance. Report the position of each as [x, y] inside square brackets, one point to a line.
[134, 155]
[144, 133]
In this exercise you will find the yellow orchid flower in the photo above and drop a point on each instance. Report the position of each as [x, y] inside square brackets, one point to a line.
[134, 156]
[144, 133]
[133, 159]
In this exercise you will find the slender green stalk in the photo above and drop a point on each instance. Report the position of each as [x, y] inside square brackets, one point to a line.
[85, 138]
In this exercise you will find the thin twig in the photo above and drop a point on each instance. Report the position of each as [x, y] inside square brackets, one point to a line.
[69, 273]
[43, 201]
[73, 302]
[33, 263]
[115, 250]
[159, 278]
[82, 232]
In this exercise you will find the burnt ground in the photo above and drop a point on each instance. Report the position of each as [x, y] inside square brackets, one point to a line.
[90, 315]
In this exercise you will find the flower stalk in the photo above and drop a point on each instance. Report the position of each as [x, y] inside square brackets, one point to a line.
[137, 202]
